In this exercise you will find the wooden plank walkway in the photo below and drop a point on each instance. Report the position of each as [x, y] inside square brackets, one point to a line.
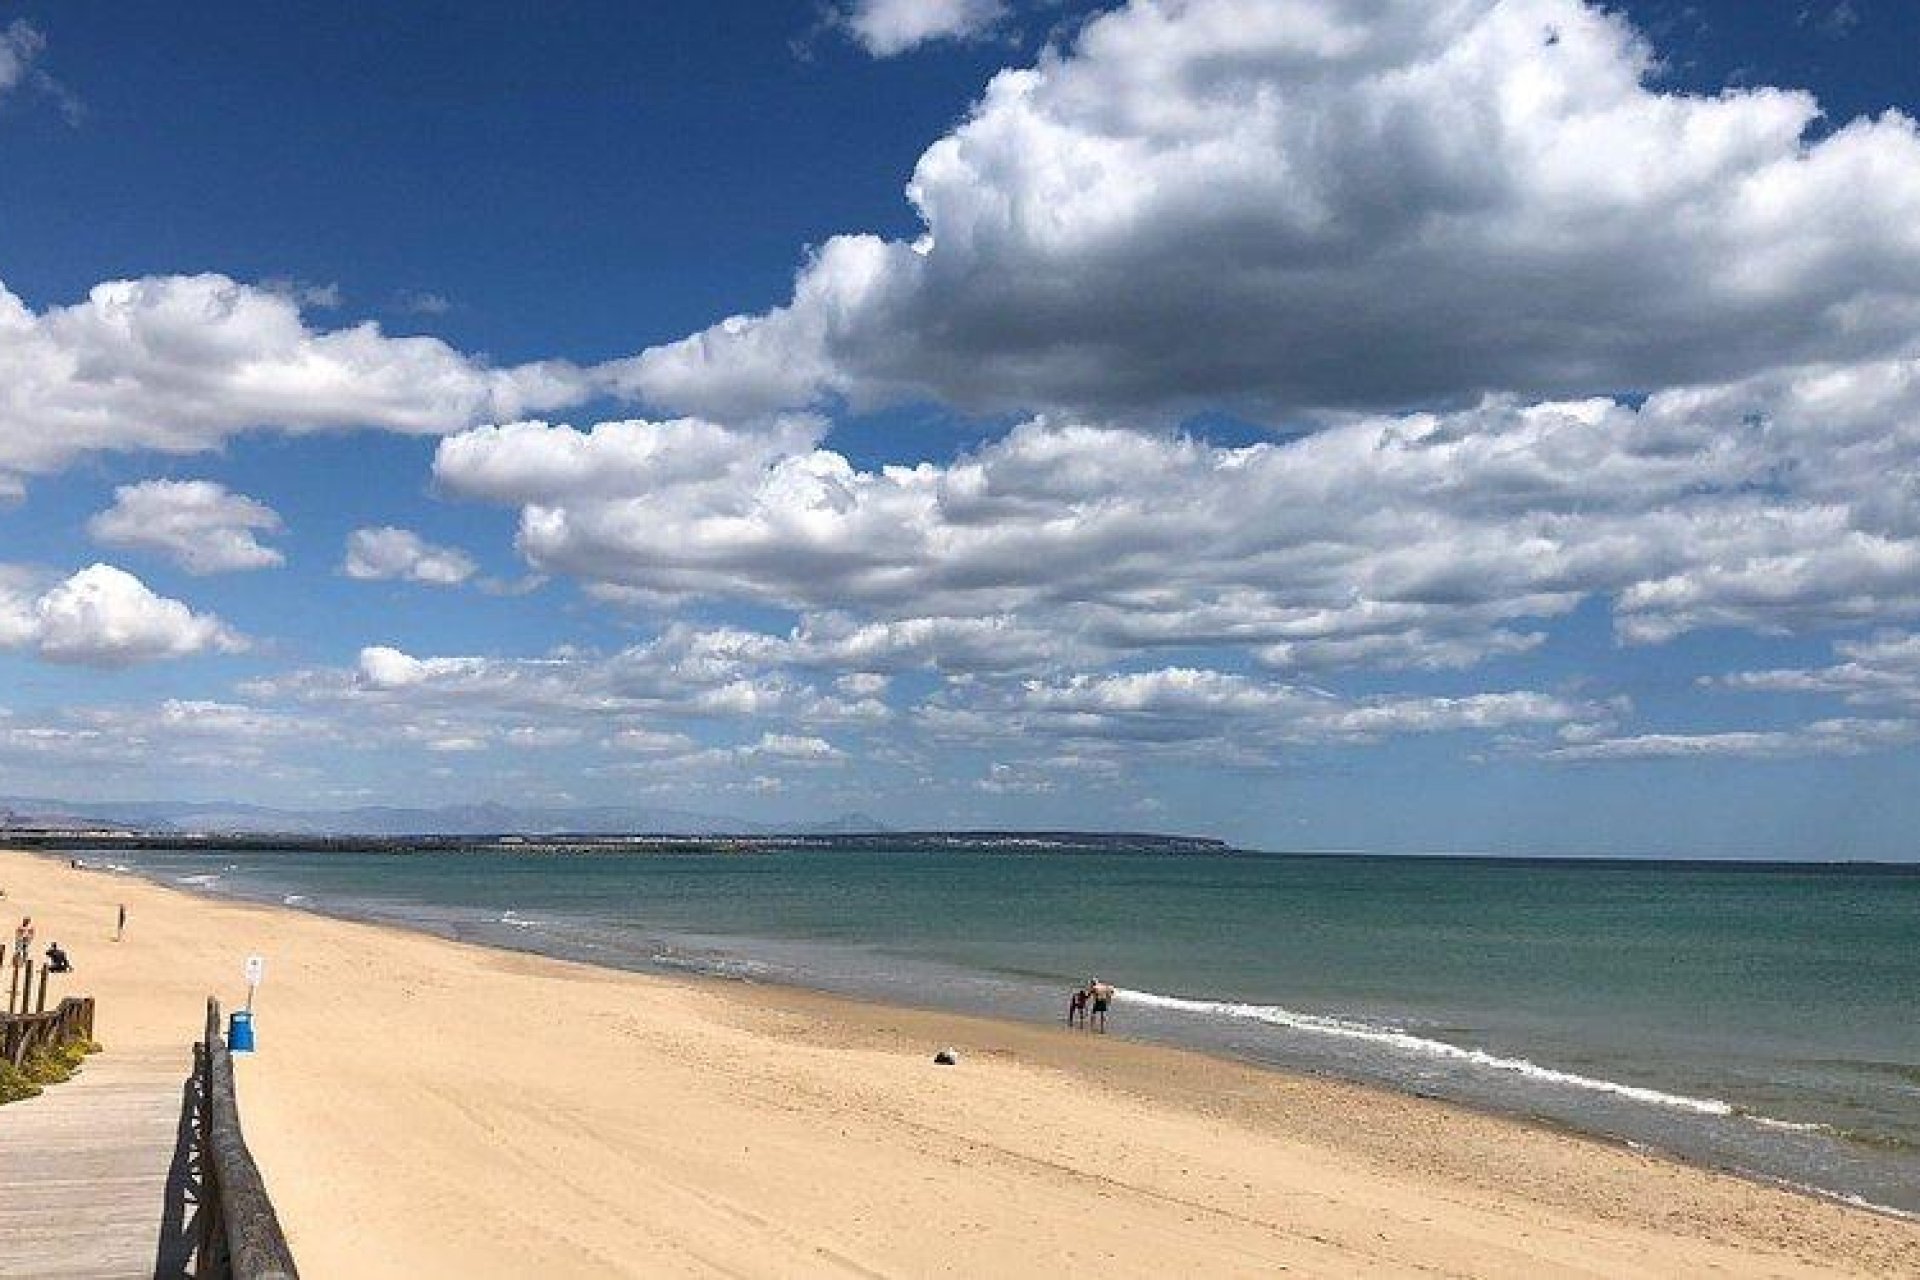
[93, 1171]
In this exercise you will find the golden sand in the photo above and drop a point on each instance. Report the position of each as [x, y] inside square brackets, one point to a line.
[424, 1108]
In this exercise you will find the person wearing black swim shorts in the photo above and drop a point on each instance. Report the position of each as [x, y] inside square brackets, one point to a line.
[1100, 995]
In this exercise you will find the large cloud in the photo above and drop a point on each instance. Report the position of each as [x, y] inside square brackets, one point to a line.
[1779, 503]
[103, 617]
[201, 525]
[1663, 344]
[1344, 203]
[178, 364]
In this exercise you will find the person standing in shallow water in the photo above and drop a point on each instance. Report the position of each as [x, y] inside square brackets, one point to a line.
[1077, 1006]
[1100, 995]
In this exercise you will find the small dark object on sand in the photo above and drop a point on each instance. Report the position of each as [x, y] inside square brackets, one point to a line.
[946, 1058]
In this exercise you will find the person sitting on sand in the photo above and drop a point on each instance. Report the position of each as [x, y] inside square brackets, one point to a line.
[57, 961]
[1077, 1007]
[1101, 995]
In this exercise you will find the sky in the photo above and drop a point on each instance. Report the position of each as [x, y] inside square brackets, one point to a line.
[1388, 425]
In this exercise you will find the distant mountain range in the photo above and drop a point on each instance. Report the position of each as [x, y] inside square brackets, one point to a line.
[216, 818]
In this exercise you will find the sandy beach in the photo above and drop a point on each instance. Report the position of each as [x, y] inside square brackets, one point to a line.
[425, 1108]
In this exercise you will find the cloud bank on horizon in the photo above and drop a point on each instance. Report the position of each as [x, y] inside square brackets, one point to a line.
[1328, 372]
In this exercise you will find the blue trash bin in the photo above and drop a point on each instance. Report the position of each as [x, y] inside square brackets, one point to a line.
[240, 1031]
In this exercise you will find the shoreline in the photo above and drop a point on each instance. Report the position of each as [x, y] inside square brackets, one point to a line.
[781, 994]
[448, 933]
[777, 994]
[1505, 1183]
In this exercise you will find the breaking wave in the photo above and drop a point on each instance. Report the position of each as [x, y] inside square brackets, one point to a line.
[1407, 1042]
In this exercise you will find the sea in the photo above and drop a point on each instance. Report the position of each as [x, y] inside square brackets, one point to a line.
[1756, 1017]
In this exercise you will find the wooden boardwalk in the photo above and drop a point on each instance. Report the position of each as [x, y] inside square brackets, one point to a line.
[94, 1173]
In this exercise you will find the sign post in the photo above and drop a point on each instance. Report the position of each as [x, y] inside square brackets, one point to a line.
[240, 1021]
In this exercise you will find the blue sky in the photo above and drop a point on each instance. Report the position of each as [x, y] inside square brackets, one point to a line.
[1324, 424]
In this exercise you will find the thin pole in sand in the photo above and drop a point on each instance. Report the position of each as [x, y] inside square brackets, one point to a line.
[256, 969]
[13, 984]
[40, 1006]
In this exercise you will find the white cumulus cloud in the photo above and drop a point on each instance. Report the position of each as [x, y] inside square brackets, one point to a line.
[104, 617]
[387, 552]
[1432, 540]
[888, 27]
[1329, 204]
[201, 525]
[178, 364]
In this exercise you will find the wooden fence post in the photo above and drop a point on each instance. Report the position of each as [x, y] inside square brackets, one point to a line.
[242, 1236]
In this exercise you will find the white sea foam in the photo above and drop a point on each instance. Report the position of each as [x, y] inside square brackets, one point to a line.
[1407, 1042]
[717, 966]
[203, 881]
[510, 919]
[294, 899]
[1787, 1126]
[1842, 1197]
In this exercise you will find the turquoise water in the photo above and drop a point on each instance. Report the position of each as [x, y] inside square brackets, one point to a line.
[1754, 1017]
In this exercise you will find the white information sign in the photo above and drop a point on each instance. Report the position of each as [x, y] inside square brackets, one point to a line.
[256, 969]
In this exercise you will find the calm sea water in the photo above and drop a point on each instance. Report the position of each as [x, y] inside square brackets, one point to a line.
[1754, 1017]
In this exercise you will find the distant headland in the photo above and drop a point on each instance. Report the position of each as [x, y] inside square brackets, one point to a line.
[905, 842]
[44, 823]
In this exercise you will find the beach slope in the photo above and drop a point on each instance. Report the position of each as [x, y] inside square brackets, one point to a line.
[423, 1108]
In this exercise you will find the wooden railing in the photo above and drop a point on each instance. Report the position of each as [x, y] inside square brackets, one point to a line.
[22, 1033]
[20, 988]
[240, 1234]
